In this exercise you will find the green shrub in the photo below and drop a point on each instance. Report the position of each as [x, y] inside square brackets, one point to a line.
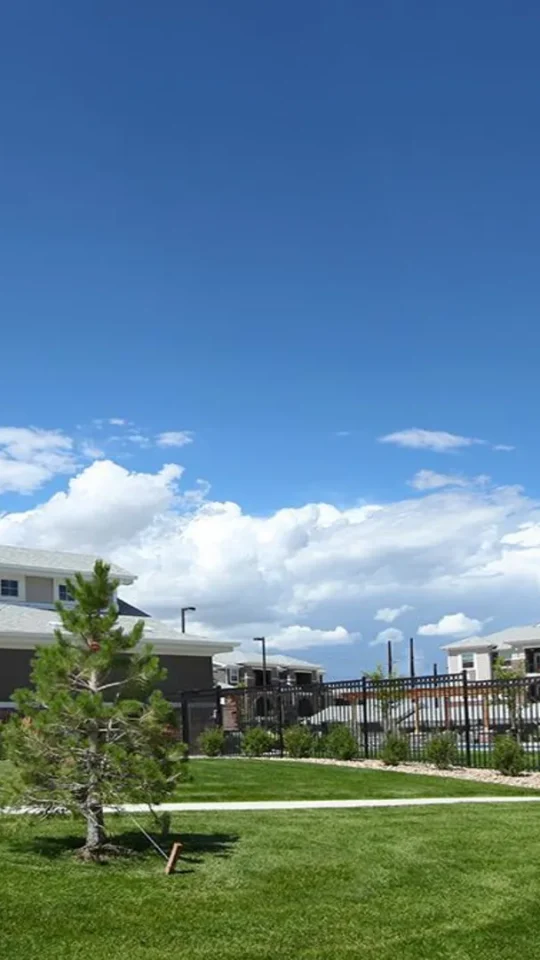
[299, 741]
[339, 743]
[257, 742]
[212, 741]
[395, 750]
[508, 756]
[442, 751]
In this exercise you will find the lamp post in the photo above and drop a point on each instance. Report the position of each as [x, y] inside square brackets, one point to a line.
[183, 612]
[262, 641]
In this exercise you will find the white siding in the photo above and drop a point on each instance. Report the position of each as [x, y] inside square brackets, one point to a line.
[483, 665]
[454, 662]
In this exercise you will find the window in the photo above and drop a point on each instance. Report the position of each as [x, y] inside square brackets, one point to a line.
[467, 661]
[9, 588]
[63, 594]
[232, 676]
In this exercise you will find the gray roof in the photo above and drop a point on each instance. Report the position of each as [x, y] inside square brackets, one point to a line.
[241, 658]
[55, 561]
[19, 618]
[500, 640]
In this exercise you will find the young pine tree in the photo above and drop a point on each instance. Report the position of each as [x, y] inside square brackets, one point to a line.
[92, 729]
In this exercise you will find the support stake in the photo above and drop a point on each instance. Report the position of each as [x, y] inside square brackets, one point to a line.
[174, 855]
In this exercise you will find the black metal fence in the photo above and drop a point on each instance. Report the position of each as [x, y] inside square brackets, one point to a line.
[416, 708]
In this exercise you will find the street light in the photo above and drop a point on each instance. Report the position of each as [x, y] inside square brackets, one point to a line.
[262, 640]
[183, 612]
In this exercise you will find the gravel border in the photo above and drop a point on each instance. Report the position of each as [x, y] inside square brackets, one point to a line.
[526, 780]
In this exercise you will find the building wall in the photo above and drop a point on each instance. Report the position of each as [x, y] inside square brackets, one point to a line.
[14, 671]
[482, 663]
[183, 673]
[454, 663]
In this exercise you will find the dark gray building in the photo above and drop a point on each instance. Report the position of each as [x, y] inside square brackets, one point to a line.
[31, 581]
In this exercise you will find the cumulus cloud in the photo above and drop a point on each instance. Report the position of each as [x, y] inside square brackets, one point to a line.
[452, 625]
[30, 456]
[437, 440]
[389, 614]
[317, 565]
[175, 438]
[391, 634]
[297, 637]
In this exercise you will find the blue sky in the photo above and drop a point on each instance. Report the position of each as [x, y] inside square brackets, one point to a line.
[271, 224]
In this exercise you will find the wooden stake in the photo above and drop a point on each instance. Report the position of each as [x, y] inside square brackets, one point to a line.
[171, 862]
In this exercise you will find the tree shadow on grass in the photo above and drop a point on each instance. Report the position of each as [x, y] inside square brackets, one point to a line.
[194, 846]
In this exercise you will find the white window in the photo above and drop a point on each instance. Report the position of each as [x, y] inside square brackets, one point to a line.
[63, 594]
[9, 588]
[233, 676]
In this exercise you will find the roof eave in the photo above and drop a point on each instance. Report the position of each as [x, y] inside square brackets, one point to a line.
[124, 577]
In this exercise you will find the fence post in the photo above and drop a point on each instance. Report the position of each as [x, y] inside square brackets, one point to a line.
[280, 721]
[219, 710]
[365, 717]
[467, 720]
[185, 720]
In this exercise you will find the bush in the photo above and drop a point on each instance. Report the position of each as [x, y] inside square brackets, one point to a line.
[298, 741]
[257, 742]
[442, 751]
[339, 743]
[212, 741]
[508, 756]
[395, 750]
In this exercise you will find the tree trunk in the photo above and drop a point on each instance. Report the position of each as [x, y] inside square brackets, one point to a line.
[95, 830]
[95, 824]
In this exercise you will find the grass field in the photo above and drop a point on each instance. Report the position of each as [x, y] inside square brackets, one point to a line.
[453, 883]
[287, 780]
[268, 780]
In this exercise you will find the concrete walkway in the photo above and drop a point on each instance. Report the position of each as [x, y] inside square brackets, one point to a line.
[238, 805]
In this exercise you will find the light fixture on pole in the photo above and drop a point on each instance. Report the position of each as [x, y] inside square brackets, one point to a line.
[183, 612]
[262, 641]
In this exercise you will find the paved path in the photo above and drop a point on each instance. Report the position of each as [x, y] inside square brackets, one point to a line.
[216, 806]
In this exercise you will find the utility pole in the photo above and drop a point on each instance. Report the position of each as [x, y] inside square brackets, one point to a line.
[390, 661]
[183, 612]
[262, 641]
[411, 656]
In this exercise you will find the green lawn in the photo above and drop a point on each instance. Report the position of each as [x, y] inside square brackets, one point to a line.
[269, 780]
[447, 883]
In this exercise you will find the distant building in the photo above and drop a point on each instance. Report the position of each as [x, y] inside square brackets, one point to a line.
[31, 581]
[242, 667]
[517, 646]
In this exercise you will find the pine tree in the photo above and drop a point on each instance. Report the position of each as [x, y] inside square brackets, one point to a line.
[92, 729]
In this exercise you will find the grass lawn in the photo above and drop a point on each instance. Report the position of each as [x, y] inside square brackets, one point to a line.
[269, 780]
[457, 883]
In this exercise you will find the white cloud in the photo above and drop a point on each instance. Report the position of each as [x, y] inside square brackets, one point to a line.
[452, 625]
[297, 637]
[30, 456]
[174, 438]
[136, 437]
[391, 634]
[90, 450]
[429, 480]
[317, 565]
[343, 433]
[437, 440]
[506, 447]
[117, 421]
[389, 614]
